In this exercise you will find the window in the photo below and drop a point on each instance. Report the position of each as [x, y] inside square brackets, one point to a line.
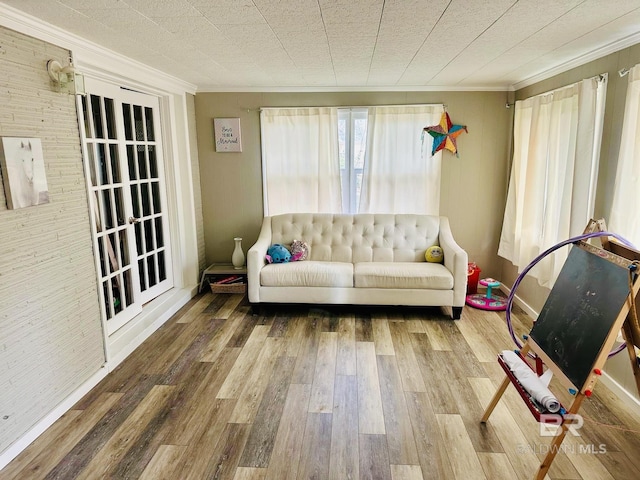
[555, 164]
[352, 144]
[352, 160]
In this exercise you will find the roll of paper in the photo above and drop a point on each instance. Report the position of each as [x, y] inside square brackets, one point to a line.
[530, 381]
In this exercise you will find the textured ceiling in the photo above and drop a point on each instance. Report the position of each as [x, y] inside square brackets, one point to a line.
[319, 44]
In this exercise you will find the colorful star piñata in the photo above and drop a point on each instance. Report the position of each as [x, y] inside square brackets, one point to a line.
[445, 134]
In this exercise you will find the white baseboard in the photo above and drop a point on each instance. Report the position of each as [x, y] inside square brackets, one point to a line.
[125, 340]
[619, 391]
[23, 442]
[154, 315]
[521, 303]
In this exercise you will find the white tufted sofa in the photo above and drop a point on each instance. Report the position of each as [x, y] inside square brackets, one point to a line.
[366, 259]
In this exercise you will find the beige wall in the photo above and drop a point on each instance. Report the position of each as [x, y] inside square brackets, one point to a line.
[50, 330]
[473, 186]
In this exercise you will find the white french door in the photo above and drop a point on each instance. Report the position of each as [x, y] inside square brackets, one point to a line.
[122, 150]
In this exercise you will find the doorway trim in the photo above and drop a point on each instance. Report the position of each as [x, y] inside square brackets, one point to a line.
[177, 152]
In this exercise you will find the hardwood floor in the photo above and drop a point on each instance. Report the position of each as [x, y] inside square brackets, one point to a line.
[323, 393]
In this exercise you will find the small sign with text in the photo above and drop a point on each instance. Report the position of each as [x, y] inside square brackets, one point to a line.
[227, 134]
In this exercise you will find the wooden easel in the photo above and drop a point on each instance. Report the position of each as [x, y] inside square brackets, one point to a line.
[609, 318]
[631, 326]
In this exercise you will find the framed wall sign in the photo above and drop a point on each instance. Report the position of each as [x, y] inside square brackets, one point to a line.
[227, 134]
[23, 172]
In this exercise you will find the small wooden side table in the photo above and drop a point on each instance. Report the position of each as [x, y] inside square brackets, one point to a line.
[221, 269]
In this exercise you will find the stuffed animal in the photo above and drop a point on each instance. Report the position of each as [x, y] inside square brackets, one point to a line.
[434, 254]
[278, 254]
[299, 251]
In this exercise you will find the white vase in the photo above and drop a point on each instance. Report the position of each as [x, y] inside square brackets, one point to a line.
[237, 258]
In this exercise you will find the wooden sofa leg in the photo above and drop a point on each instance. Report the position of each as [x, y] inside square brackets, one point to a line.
[456, 312]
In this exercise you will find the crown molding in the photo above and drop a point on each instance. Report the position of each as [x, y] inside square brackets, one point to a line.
[322, 89]
[603, 51]
[91, 58]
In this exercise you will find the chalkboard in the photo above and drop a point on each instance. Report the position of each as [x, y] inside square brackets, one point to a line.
[580, 312]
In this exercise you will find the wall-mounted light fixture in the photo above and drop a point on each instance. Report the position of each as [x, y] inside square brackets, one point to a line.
[66, 79]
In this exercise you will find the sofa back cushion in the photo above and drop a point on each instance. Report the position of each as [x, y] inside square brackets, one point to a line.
[359, 237]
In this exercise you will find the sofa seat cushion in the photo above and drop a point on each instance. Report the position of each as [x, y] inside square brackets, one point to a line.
[307, 274]
[421, 275]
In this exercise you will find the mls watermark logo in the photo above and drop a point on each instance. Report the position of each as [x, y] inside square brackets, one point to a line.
[551, 424]
[574, 448]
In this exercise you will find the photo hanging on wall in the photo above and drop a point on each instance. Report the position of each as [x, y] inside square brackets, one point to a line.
[227, 134]
[23, 172]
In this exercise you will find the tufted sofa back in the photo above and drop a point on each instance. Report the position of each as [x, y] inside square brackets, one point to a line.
[359, 237]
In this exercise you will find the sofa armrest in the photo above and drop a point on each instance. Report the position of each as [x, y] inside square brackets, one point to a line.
[255, 260]
[455, 259]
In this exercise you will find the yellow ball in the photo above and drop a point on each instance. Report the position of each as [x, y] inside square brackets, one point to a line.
[434, 254]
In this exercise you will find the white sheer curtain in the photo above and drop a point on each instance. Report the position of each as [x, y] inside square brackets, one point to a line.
[400, 175]
[300, 163]
[555, 164]
[625, 216]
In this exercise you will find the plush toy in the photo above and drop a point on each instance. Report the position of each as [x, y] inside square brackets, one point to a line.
[278, 254]
[299, 251]
[434, 254]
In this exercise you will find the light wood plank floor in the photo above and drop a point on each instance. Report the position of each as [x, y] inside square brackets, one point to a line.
[324, 393]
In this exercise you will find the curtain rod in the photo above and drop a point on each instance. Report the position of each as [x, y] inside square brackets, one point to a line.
[600, 77]
[444, 106]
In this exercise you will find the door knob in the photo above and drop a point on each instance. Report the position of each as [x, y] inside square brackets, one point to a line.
[134, 220]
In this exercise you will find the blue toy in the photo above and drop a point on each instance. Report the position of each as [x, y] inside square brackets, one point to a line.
[278, 254]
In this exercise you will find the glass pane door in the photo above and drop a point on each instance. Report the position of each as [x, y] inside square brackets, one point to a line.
[123, 161]
[148, 200]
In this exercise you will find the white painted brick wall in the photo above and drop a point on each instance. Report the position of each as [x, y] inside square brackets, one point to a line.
[50, 329]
